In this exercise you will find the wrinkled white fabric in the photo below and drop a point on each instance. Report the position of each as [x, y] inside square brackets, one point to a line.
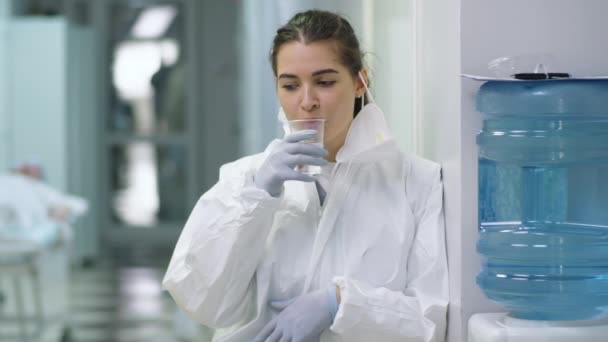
[379, 236]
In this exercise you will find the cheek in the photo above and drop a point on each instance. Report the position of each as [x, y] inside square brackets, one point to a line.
[339, 104]
[339, 110]
[289, 106]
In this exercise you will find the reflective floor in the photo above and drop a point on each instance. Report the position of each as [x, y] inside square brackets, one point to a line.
[110, 302]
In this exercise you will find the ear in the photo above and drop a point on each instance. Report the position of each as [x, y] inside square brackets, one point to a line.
[360, 86]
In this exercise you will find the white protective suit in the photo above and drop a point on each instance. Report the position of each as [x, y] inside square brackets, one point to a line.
[379, 236]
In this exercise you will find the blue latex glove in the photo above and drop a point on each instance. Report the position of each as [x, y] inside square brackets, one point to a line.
[280, 163]
[302, 319]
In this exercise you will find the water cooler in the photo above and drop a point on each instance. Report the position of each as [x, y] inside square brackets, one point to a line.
[543, 210]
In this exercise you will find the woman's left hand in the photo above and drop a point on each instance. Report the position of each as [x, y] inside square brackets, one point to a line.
[302, 319]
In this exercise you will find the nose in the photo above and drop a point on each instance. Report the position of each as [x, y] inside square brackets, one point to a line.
[309, 101]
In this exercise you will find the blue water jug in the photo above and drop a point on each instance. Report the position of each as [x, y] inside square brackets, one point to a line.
[543, 197]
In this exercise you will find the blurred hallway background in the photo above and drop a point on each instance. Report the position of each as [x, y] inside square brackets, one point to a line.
[133, 105]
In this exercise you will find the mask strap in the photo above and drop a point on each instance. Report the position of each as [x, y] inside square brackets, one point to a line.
[367, 91]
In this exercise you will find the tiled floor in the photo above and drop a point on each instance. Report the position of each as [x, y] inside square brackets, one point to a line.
[114, 303]
[120, 304]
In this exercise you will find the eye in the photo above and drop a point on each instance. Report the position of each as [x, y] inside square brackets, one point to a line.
[289, 86]
[326, 83]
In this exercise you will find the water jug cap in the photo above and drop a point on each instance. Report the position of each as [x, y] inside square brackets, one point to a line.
[526, 67]
[540, 76]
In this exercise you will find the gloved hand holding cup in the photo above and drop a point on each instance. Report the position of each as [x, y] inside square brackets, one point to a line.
[299, 148]
[317, 125]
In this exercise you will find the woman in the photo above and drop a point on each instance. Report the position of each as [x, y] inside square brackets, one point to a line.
[356, 254]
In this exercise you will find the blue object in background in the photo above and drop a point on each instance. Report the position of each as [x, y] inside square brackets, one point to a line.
[543, 197]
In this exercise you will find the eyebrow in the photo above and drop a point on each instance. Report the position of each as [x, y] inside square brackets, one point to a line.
[316, 73]
[325, 71]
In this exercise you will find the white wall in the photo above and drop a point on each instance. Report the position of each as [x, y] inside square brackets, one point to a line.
[390, 58]
[439, 125]
[575, 31]
[5, 10]
[38, 102]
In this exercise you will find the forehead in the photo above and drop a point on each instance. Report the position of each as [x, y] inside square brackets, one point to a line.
[300, 59]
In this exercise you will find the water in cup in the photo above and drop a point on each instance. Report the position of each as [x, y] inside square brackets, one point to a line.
[305, 124]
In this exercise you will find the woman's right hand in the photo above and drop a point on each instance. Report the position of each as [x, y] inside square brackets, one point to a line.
[280, 163]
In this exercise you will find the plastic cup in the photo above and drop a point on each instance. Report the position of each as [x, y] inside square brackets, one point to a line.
[305, 124]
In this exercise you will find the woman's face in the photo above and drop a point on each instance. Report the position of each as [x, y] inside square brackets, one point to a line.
[312, 83]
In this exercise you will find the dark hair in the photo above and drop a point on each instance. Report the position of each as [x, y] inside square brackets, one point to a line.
[316, 25]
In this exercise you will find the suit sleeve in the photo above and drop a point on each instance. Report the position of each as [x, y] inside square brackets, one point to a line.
[211, 273]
